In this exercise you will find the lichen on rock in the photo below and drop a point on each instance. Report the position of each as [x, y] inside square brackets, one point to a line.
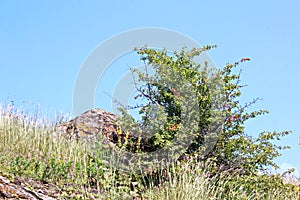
[90, 126]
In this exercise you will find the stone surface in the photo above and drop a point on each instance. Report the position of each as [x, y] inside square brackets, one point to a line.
[17, 190]
[90, 124]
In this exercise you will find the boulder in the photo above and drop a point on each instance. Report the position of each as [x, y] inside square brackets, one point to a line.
[90, 125]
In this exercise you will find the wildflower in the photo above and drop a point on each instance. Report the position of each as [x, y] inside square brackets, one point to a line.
[245, 59]
[175, 92]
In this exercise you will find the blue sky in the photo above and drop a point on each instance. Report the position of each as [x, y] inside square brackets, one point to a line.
[44, 43]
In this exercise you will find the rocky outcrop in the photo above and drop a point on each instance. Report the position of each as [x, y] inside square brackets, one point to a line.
[17, 189]
[90, 125]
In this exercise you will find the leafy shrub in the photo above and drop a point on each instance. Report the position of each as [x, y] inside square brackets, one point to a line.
[218, 109]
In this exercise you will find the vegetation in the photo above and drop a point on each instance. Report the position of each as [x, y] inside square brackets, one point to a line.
[206, 100]
[216, 110]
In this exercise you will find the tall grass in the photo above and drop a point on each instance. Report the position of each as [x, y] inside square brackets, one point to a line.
[27, 137]
[29, 148]
[192, 180]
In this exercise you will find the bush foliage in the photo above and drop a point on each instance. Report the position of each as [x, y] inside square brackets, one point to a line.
[168, 88]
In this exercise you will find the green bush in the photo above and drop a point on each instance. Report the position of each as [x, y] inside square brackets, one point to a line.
[217, 109]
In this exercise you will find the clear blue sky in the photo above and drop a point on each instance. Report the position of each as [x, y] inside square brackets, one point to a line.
[44, 43]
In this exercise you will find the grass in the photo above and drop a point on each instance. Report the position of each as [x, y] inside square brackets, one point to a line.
[70, 169]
